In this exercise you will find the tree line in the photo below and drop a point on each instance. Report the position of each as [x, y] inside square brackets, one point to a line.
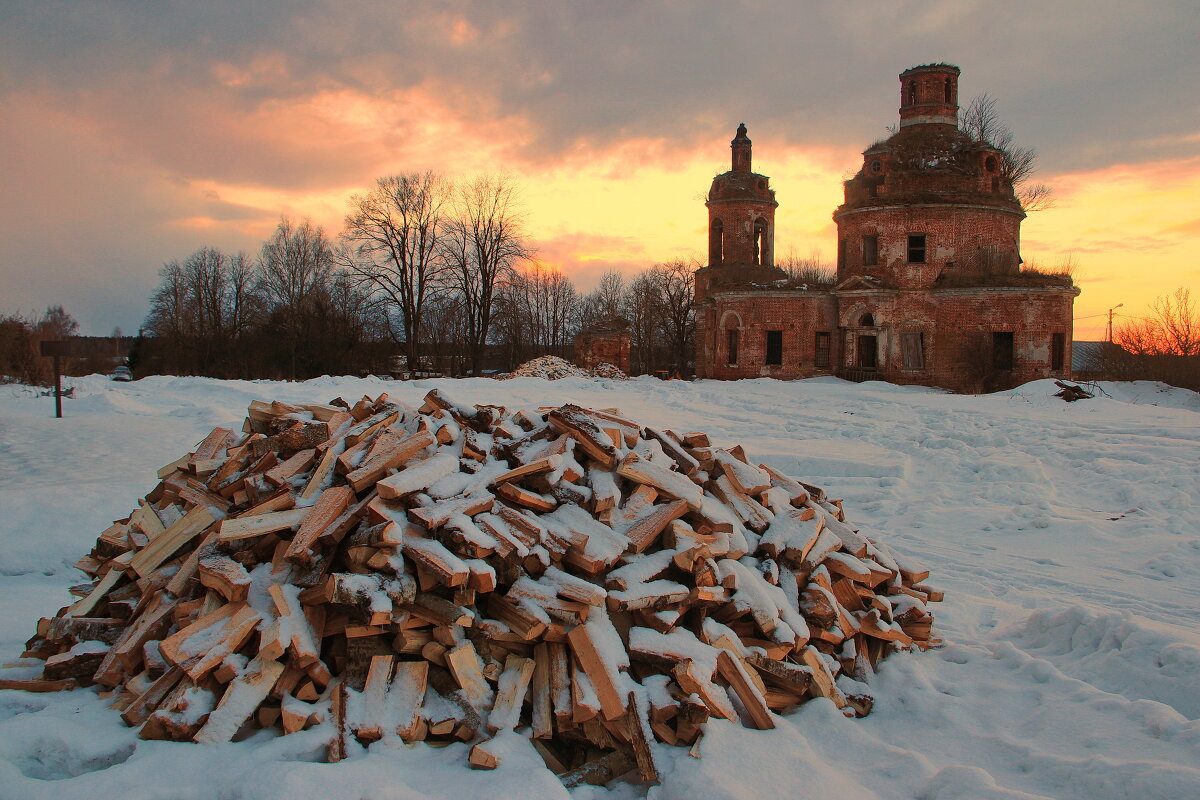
[1162, 346]
[439, 272]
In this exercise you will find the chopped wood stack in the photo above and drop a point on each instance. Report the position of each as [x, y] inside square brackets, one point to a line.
[450, 572]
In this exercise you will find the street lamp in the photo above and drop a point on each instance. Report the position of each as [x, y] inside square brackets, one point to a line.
[1110, 317]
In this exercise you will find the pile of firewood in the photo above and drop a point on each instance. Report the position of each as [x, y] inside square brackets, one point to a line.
[448, 573]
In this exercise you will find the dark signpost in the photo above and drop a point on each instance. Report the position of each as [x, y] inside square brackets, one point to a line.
[58, 350]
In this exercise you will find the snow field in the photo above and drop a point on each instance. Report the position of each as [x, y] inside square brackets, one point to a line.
[1066, 537]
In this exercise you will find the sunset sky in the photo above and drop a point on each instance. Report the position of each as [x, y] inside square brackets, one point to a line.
[132, 133]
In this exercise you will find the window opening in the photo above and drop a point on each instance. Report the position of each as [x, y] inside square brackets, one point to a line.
[715, 244]
[1058, 351]
[916, 248]
[949, 91]
[870, 251]
[760, 240]
[774, 348]
[912, 349]
[822, 350]
[912, 93]
[731, 345]
[867, 321]
[841, 256]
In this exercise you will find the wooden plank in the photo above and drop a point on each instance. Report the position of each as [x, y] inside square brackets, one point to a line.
[590, 659]
[320, 476]
[218, 634]
[574, 421]
[393, 455]
[85, 605]
[243, 527]
[641, 737]
[241, 699]
[329, 507]
[823, 683]
[646, 530]
[541, 715]
[369, 727]
[406, 695]
[285, 471]
[693, 681]
[673, 484]
[510, 693]
[730, 668]
[464, 664]
[525, 498]
[170, 540]
[482, 756]
[140, 709]
[225, 576]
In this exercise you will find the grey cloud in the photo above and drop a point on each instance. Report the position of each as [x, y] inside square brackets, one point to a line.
[1077, 80]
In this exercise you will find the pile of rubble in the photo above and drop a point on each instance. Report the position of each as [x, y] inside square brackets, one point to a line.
[451, 572]
[553, 368]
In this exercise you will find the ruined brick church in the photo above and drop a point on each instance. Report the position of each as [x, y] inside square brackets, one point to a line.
[929, 287]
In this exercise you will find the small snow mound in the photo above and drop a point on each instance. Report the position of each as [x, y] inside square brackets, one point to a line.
[1116, 652]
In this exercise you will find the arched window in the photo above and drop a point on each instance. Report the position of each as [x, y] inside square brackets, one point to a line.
[760, 242]
[912, 93]
[867, 321]
[715, 242]
[949, 91]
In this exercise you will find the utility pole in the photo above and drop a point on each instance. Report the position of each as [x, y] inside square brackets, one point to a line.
[1110, 319]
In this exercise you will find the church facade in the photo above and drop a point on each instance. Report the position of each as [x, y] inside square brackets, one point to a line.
[929, 288]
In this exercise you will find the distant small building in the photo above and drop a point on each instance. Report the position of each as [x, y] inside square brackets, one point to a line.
[929, 288]
[607, 342]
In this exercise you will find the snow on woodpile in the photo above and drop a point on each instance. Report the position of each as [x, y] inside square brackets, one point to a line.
[607, 370]
[452, 573]
[554, 368]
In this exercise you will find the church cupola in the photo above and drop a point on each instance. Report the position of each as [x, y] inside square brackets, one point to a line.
[741, 150]
[929, 94]
[741, 213]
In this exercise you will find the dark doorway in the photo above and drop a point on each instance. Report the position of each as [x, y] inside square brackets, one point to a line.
[866, 352]
[774, 348]
[1002, 351]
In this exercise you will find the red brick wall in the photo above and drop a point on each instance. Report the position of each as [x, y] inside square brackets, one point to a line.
[603, 347]
[797, 314]
[954, 236]
[957, 327]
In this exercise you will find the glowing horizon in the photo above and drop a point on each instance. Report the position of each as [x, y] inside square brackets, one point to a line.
[134, 143]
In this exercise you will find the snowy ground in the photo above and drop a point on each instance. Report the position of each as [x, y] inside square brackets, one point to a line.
[1066, 537]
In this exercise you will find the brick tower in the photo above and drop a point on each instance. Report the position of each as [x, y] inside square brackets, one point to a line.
[741, 224]
[930, 203]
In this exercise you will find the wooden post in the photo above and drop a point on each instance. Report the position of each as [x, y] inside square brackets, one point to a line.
[56, 350]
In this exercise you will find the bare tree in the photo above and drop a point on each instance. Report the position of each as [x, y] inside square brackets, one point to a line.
[393, 236]
[677, 296]
[604, 303]
[643, 309]
[546, 307]
[294, 270]
[981, 121]
[812, 269]
[1171, 329]
[483, 243]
